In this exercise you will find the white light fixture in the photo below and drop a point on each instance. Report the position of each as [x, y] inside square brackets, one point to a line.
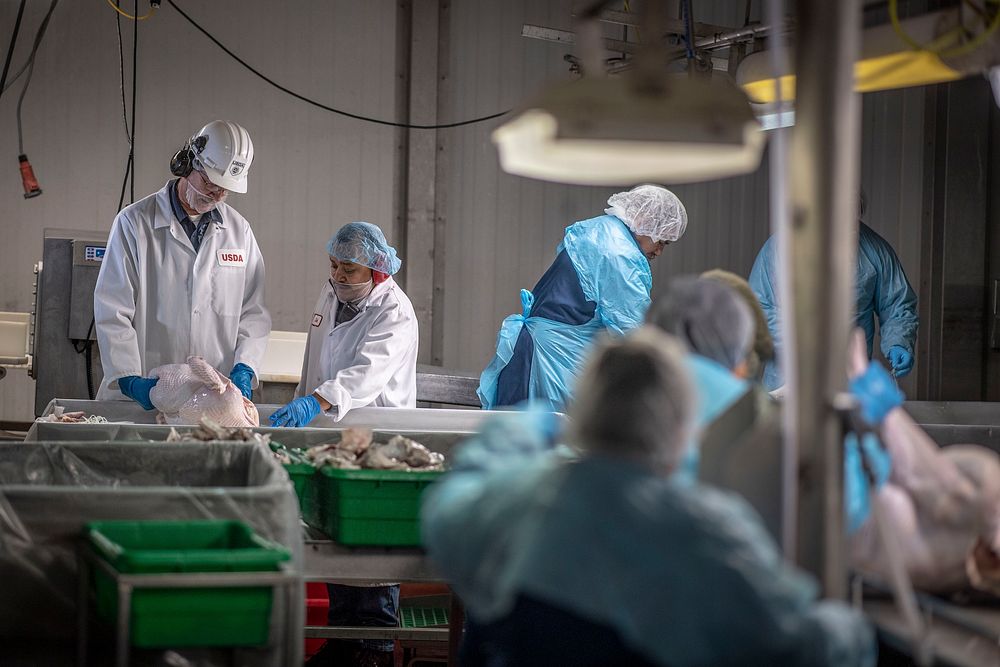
[643, 126]
[608, 132]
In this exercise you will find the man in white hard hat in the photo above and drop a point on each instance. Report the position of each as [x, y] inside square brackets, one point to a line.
[182, 274]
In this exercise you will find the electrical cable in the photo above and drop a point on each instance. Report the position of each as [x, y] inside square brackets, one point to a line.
[31, 67]
[340, 112]
[129, 177]
[121, 75]
[10, 49]
[688, 28]
[152, 10]
[953, 52]
[135, 68]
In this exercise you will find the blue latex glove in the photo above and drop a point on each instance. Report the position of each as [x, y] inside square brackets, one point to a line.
[901, 360]
[242, 377]
[299, 412]
[137, 389]
[857, 501]
[877, 392]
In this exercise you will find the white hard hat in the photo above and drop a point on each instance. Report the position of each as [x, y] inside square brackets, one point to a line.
[225, 154]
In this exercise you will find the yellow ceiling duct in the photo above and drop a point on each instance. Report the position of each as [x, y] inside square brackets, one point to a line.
[888, 58]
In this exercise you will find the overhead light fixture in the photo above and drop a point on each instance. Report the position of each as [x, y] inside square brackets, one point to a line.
[605, 132]
[643, 126]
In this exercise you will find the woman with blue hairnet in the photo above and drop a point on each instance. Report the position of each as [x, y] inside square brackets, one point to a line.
[600, 281]
[361, 350]
[596, 556]
[362, 345]
[738, 431]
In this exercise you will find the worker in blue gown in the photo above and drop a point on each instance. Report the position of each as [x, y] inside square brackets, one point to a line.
[882, 291]
[736, 440]
[590, 553]
[600, 281]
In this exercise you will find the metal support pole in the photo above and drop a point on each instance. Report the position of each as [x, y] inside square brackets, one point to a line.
[823, 245]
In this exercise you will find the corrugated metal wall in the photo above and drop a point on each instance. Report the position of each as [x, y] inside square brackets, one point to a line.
[313, 170]
[502, 231]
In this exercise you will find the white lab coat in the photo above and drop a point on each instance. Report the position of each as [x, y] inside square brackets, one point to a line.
[158, 302]
[371, 360]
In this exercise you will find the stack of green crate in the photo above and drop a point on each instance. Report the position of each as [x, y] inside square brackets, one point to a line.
[368, 507]
[299, 470]
[182, 617]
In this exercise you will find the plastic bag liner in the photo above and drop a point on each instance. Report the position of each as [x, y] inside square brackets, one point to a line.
[49, 491]
[436, 441]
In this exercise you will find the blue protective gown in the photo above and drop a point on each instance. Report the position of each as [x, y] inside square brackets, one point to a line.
[600, 281]
[680, 574]
[882, 291]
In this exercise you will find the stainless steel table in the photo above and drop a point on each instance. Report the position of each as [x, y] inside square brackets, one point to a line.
[327, 561]
[955, 635]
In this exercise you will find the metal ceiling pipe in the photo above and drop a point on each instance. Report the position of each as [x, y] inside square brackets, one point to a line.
[724, 39]
[824, 164]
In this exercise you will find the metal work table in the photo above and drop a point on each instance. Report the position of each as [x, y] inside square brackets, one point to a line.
[435, 385]
[327, 561]
[956, 635]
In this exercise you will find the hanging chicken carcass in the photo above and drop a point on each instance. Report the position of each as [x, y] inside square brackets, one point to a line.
[943, 504]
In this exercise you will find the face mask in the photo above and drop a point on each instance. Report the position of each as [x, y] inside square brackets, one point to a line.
[198, 200]
[352, 291]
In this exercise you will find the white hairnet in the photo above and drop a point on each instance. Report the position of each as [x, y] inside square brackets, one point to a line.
[634, 400]
[707, 315]
[649, 210]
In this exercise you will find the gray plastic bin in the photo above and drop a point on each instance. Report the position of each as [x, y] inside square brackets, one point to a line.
[48, 491]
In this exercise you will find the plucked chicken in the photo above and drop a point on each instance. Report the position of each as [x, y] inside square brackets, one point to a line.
[943, 504]
[185, 393]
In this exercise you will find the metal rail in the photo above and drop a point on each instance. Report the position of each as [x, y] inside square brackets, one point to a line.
[285, 580]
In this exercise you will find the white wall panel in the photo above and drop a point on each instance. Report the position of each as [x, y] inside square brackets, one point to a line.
[313, 170]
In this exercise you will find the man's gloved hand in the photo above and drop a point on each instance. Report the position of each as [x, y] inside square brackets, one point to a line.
[876, 392]
[242, 377]
[901, 360]
[137, 388]
[299, 412]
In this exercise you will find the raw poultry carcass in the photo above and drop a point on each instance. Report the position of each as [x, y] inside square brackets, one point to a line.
[185, 393]
[943, 505]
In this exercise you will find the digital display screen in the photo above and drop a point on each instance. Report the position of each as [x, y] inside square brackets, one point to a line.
[94, 253]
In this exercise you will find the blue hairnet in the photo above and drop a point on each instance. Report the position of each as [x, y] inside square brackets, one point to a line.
[364, 243]
[707, 315]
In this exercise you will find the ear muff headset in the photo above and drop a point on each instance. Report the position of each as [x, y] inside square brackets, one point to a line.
[182, 163]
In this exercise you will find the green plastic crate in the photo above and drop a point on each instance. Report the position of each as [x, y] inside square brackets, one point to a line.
[368, 507]
[181, 617]
[422, 617]
[300, 471]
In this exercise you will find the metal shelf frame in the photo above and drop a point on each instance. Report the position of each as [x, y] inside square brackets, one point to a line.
[325, 560]
[283, 581]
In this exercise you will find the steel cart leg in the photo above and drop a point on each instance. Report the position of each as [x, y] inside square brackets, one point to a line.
[456, 623]
[83, 587]
[123, 638]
